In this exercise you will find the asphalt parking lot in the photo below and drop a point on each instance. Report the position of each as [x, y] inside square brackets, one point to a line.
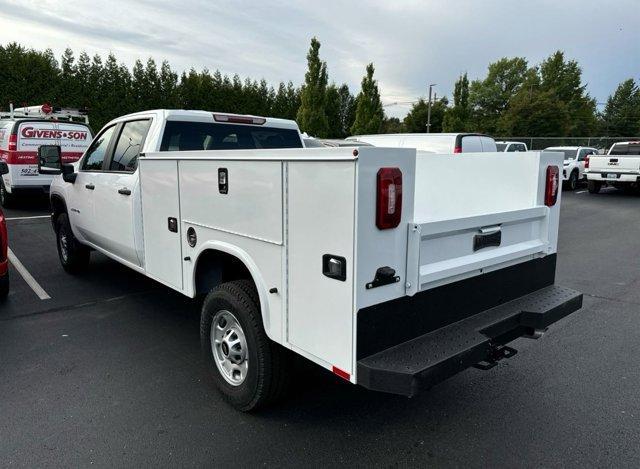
[107, 372]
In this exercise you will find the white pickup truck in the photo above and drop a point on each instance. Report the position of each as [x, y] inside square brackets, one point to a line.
[358, 259]
[619, 168]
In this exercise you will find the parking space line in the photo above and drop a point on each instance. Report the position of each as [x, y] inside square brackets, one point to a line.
[581, 192]
[28, 218]
[22, 270]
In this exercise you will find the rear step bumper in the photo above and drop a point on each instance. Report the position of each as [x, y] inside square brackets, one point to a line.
[433, 357]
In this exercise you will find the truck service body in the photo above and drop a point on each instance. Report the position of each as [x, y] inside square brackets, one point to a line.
[23, 131]
[355, 258]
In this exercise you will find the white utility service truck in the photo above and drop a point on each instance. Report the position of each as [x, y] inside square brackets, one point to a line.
[22, 131]
[619, 168]
[363, 260]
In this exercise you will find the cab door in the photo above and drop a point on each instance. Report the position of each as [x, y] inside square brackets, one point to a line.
[82, 201]
[117, 195]
[582, 156]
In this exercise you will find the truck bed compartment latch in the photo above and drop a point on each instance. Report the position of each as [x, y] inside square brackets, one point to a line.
[496, 353]
[384, 276]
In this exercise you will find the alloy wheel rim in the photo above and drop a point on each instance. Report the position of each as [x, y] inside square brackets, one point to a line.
[229, 347]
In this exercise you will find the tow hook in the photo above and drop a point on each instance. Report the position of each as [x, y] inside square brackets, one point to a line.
[496, 353]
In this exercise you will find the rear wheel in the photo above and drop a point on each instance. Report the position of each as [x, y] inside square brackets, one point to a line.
[572, 183]
[249, 369]
[74, 257]
[593, 186]
[6, 199]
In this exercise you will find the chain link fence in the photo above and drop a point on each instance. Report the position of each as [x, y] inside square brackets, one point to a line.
[540, 143]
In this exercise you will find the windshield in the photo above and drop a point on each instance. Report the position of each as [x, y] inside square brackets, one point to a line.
[568, 154]
[501, 146]
[623, 149]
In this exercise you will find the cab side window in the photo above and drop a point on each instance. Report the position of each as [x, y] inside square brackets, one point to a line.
[95, 155]
[129, 145]
[583, 154]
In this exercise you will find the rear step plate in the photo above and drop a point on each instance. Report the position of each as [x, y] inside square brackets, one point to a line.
[433, 357]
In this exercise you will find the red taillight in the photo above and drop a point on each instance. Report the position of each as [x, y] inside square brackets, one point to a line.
[586, 162]
[13, 142]
[552, 185]
[457, 149]
[389, 198]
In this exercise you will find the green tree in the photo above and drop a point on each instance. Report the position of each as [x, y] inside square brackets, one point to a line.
[456, 117]
[340, 107]
[416, 120]
[392, 125]
[621, 116]
[312, 116]
[490, 97]
[369, 112]
[563, 79]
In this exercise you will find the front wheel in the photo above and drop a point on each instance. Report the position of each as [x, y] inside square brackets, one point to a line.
[74, 257]
[6, 199]
[248, 368]
[593, 186]
[573, 180]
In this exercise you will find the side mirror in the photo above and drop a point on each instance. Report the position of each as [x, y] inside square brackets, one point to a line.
[49, 159]
[4, 168]
[68, 173]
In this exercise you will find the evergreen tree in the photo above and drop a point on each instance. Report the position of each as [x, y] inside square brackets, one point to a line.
[456, 117]
[312, 117]
[369, 112]
[621, 116]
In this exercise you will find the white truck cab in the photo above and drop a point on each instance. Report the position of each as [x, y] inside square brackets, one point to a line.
[620, 168]
[511, 147]
[573, 167]
[432, 143]
[23, 131]
[355, 258]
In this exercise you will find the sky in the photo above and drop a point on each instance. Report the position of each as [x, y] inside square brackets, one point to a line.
[412, 43]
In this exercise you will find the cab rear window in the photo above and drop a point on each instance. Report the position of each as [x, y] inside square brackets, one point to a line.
[189, 136]
[622, 149]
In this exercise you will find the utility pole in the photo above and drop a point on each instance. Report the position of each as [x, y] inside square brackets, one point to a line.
[429, 108]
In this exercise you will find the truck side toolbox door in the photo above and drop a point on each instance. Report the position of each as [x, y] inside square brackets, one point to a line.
[117, 194]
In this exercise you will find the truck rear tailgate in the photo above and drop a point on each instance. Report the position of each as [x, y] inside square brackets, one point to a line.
[614, 167]
[494, 216]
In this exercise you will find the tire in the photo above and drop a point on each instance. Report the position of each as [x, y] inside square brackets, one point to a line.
[232, 338]
[593, 186]
[6, 199]
[74, 257]
[572, 183]
[4, 286]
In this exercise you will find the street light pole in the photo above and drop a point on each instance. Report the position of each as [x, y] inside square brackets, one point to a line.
[429, 108]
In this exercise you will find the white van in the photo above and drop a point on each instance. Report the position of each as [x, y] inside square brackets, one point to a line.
[22, 132]
[432, 143]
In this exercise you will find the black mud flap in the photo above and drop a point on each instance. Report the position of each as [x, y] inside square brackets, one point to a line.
[480, 340]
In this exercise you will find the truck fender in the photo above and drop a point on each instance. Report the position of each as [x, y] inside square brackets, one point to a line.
[251, 266]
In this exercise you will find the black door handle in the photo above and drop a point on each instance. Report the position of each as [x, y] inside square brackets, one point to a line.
[90, 186]
[124, 191]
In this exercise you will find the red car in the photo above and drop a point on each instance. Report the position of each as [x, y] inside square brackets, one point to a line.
[4, 263]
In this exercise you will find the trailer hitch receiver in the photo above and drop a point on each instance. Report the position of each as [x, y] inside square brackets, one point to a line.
[496, 353]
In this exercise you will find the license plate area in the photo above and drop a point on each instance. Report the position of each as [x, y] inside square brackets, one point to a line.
[611, 176]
